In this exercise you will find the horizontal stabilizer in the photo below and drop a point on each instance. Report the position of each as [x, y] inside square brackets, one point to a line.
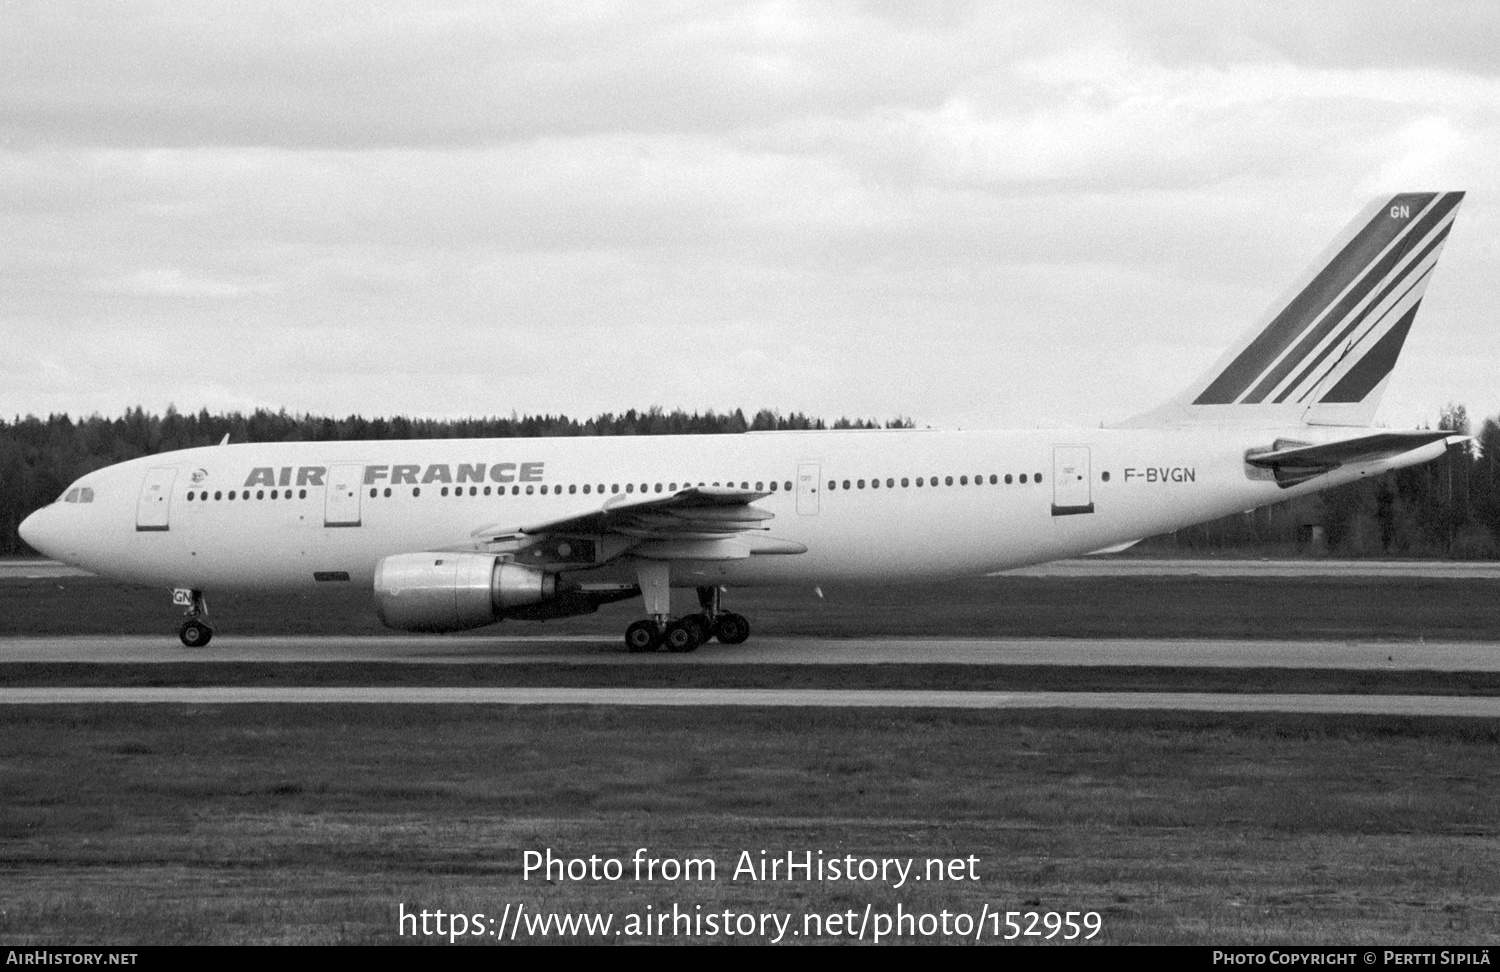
[1296, 462]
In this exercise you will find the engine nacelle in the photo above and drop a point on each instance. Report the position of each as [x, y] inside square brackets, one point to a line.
[454, 591]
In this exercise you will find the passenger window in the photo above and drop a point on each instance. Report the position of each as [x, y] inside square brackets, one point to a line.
[301, 494]
[832, 484]
[992, 479]
[387, 492]
[416, 491]
[773, 485]
[919, 480]
[846, 484]
[658, 488]
[948, 481]
[905, 482]
[874, 484]
[544, 490]
[1037, 477]
[486, 491]
[373, 492]
[759, 487]
[1023, 478]
[861, 484]
[572, 488]
[443, 491]
[260, 494]
[1007, 479]
[788, 484]
[963, 480]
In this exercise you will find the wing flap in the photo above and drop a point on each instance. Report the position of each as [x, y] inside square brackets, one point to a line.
[695, 523]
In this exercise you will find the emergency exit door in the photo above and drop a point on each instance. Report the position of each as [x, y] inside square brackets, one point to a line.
[341, 505]
[807, 487]
[1072, 485]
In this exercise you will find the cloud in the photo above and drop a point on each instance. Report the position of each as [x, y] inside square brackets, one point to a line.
[843, 207]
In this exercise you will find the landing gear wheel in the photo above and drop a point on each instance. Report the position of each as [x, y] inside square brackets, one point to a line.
[731, 629]
[641, 637]
[195, 634]
[681, 636]
[702, 626]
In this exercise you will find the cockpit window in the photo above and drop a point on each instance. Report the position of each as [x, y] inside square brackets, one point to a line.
[78, 494]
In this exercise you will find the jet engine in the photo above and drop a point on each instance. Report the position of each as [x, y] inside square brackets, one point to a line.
[455, 591]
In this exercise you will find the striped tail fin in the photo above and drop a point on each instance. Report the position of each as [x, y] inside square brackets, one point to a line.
[1324, 352]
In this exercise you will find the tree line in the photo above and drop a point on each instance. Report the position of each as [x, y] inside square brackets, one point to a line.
[39, 457]
[1447, 508]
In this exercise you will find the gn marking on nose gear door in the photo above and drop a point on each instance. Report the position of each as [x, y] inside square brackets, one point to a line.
[1072, 487]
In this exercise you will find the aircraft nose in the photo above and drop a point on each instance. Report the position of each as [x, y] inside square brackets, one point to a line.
[39, 531]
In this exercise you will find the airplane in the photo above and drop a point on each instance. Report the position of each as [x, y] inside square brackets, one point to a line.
[458, 534]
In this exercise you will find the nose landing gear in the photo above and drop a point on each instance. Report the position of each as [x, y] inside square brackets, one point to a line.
[195, 632]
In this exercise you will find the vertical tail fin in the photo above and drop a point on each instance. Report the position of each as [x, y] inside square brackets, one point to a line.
[1323, 353]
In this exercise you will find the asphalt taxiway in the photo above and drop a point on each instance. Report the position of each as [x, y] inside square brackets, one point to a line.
[594, 651]
[1464, 656]
[1385, 705]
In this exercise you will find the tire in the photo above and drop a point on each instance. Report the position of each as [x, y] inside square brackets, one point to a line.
[702, 627]
[195, 634]
[732, 629]
[642, 637]
[681, 637]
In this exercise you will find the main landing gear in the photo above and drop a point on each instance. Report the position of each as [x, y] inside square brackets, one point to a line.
[195, 632]
[686, 633]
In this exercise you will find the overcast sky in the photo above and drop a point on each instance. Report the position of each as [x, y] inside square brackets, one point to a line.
[976, 215]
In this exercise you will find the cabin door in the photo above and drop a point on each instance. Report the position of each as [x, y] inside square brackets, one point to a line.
[155, 504]
[341, 505]
[1071, 482]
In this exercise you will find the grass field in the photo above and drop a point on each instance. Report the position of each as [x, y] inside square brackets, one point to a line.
[264, 823]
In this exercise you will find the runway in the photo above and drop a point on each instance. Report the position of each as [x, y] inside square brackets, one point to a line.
[1384, 705]
[594, 650]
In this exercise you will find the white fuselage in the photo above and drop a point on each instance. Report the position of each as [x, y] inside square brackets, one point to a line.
[988, 500]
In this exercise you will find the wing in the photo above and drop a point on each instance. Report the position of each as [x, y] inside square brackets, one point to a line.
[695, 523]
